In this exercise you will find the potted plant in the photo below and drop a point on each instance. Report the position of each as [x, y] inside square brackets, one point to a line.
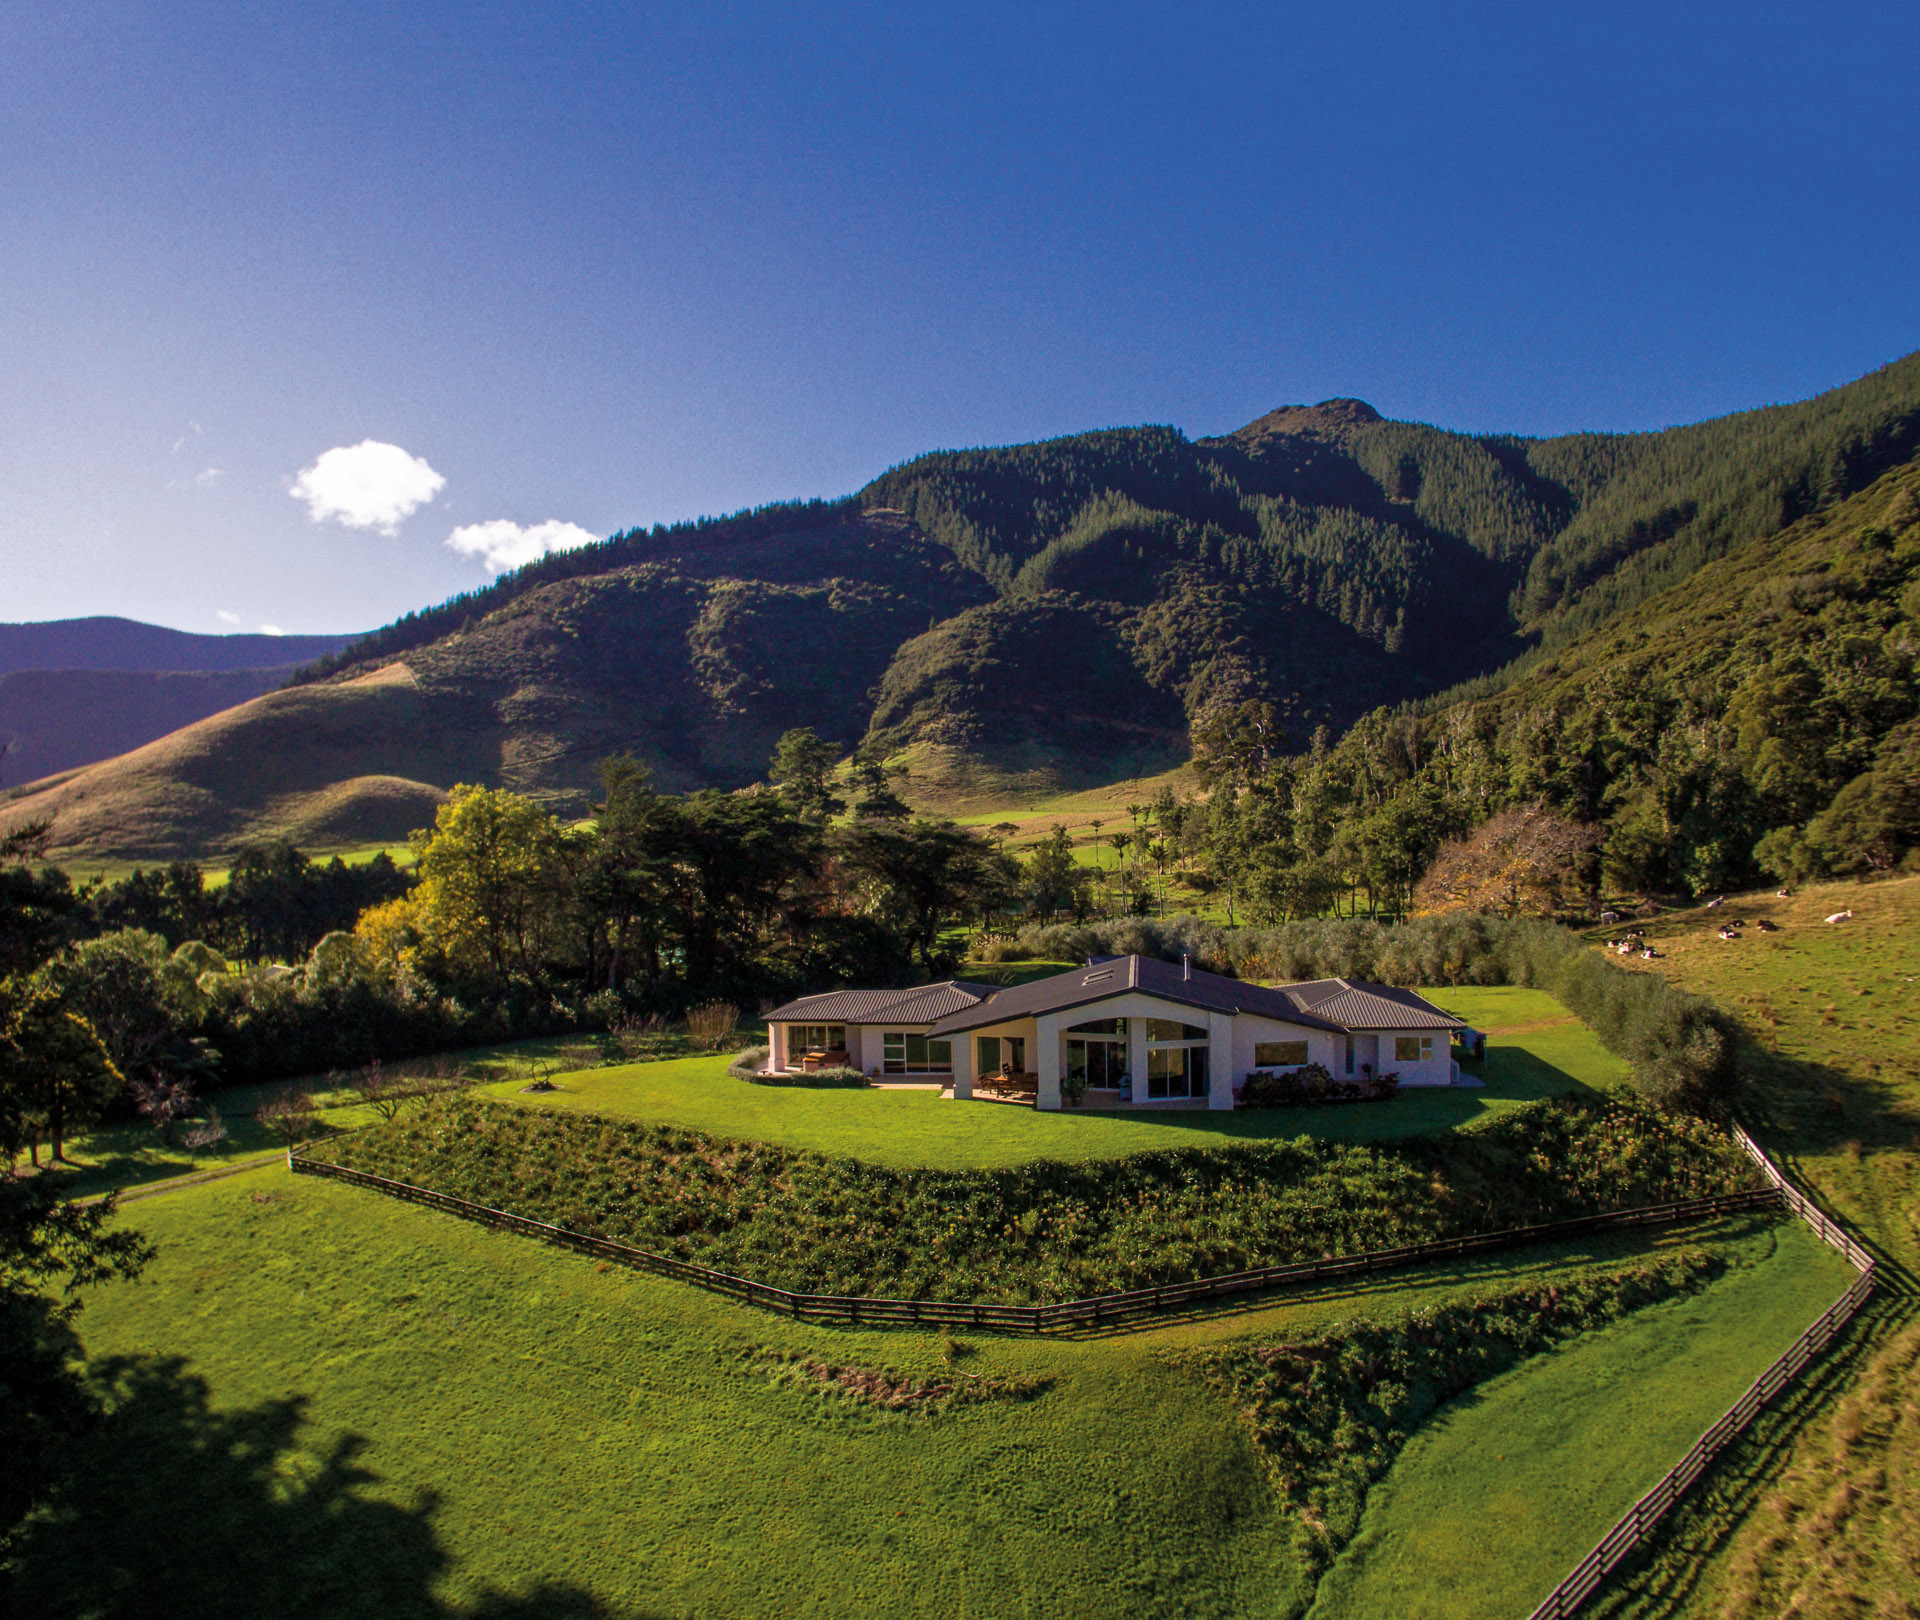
[1073, 1090]
[1126, 1088]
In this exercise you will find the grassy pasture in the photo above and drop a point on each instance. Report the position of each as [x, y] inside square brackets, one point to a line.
[1511, 1485]
[1815, 1513]
[358, 1406]
[1537, 1049]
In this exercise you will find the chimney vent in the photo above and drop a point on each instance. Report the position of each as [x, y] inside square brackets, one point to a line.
[1186, 965]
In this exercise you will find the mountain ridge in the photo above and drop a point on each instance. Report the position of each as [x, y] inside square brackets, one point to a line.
[1049, 615]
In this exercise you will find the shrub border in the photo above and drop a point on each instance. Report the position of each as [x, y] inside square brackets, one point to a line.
[1094, 1310]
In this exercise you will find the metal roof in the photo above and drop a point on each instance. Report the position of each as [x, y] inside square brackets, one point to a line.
[1332, 1004]
[1369, 1006]
[920, 1005]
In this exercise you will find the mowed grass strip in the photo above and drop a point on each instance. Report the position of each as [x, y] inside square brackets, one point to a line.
[1509, 1487]
[332, 1403]
[1551, 1054]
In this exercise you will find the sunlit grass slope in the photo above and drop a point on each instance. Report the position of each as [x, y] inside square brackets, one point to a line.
[1510, 1486]
[343, 1404]
[1816, 1516]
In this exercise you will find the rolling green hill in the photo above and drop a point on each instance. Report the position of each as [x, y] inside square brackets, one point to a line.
[1028, 620]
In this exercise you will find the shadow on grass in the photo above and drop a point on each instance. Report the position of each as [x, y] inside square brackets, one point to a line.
[171, 1507]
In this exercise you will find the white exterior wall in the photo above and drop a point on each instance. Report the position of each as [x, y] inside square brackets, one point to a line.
[776, 1048]
[1046, 1057]
[962, 1067]
[1048, 1053]
[1436, 1071]
[1323, 1046]
[864, 1047]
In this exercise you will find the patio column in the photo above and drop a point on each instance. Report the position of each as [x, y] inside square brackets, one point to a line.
[776, 1048]
[1046, 1060]
[963, 1049]
[1219, 1060]
[1137, 1057]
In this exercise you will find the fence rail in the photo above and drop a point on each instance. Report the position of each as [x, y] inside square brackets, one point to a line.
[1096, 1310]
[1639, 1520]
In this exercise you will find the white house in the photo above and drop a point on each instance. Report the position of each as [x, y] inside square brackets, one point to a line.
[1136, 1031]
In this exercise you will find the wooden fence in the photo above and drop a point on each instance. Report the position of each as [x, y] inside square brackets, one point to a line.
[1638, 1522]
[1097, 1310]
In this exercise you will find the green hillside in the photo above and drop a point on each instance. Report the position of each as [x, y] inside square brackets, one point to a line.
[1035, 619]
[1759, 717]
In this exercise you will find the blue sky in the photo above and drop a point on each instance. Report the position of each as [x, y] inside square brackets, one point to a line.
[592, 266]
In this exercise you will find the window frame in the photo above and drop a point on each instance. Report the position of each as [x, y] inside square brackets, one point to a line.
[1304, 1048]
[897, 1053]
[1422, 1049]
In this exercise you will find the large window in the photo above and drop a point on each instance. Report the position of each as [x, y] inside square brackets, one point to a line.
[914, 1054]
[1279, 1054]
[1002, 1052]
[1412, 1048]
[1097, 1052]
[1176, 1059]
[805, 1038]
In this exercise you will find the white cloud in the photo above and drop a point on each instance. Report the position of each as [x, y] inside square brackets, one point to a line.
[368, 485]
[502, 544]
[207, 479]
[271, 630]
[225, 617]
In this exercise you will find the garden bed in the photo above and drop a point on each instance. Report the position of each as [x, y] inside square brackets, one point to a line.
[1045, 1231]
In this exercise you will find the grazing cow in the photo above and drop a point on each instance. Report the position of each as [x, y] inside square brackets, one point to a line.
[1609, 916]
[1766, 927]
[1842, 916]
[1729, 933]
[1650, 953]
[1720, 902]
[1784, 894]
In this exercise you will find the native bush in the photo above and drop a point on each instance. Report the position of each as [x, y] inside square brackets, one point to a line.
[1038, 1231]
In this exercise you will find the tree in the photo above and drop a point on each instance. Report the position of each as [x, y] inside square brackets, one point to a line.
[803, 770]
[920, 874]
[55, 1072]
[1234, 748]
[1054, 880]
[36, 907]
[490, 883]
[874, 777]
[48, 1244]
[1522, 862]
[289, 1113]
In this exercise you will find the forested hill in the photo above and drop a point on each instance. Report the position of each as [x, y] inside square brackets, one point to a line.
[1015, 619]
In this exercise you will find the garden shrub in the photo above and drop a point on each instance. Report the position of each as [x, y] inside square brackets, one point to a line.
[1042, 1231]
[839, 1076]
[746, 1065]
[1330, 1413]
[1311, 1083]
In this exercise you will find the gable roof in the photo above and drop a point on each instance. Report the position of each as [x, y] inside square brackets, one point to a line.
[1331, 1004]
[920, 1005]
[1369, 1006]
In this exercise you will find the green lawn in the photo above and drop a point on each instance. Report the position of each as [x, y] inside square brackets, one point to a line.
[339, 1404]
[1537, 1050]
[1508, 1488]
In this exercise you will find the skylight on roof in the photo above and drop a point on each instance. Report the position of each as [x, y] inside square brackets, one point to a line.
[1097, 978]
